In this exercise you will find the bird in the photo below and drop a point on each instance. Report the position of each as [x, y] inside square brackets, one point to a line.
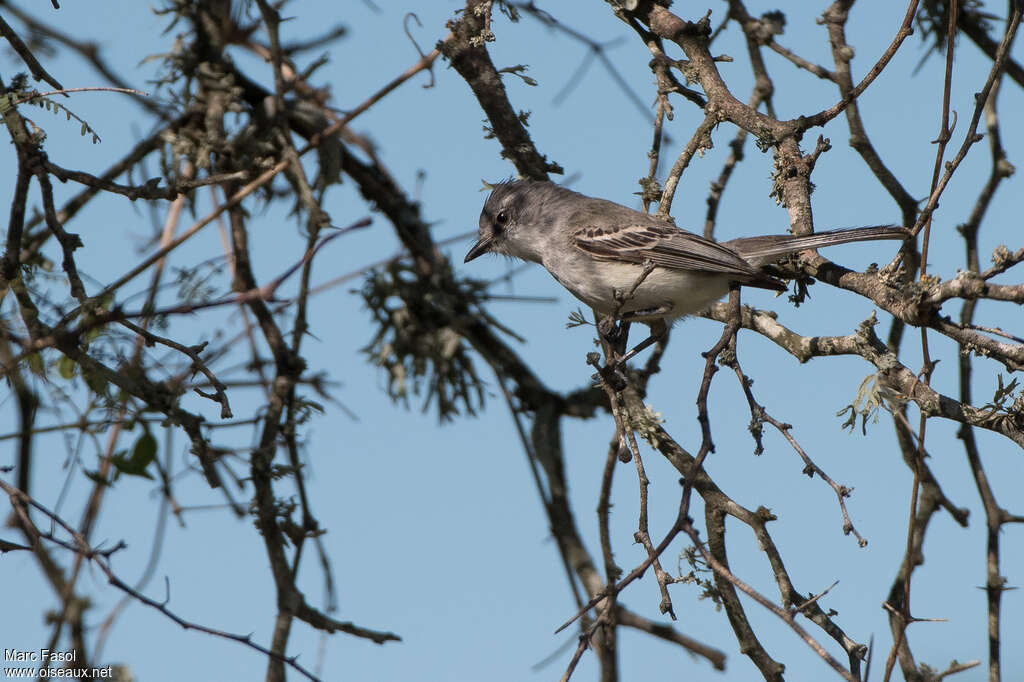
[629, 265]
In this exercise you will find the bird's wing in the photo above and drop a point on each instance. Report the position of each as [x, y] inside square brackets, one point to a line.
[669, 247]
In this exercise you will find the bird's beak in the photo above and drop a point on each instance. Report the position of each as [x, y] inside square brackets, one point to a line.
[482, 246]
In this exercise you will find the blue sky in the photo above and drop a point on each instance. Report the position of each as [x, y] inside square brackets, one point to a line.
[435, 531]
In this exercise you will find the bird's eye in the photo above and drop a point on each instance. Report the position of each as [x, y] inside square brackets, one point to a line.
[501, 220]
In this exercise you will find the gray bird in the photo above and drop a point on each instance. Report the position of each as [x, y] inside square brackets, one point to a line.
[599, 251]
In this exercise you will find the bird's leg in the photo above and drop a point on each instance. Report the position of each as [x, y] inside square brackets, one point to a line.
[611, 372]
[658, 330]
[615, 333]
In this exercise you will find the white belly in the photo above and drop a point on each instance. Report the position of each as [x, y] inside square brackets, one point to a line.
[681, 292]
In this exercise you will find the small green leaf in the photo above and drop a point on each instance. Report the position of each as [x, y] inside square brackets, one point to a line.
[142, 456]
[96, 384]
[35, 364]
[66, 367]
[145, 448]
[93, 334]
[95, 476]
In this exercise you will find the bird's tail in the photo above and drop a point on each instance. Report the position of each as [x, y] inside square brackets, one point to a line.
[764, 250]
